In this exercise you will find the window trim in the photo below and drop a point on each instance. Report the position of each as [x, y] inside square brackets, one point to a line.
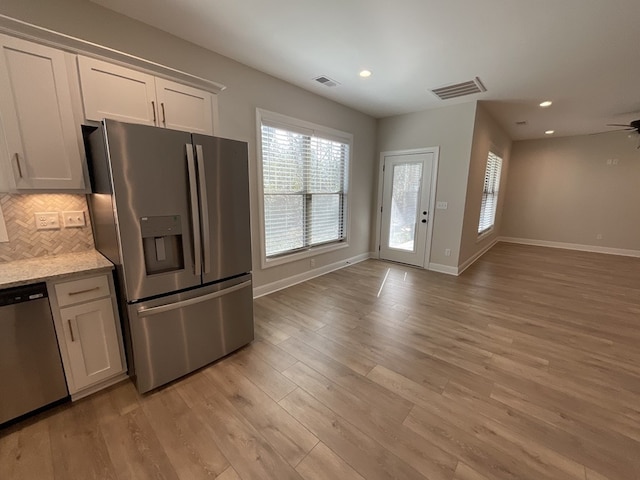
[307, 128]
[489, 231]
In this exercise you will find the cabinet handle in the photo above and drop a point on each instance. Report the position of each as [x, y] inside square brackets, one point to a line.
[18, 164]
[153, 107]
[84, 291]
[73, 338]
[164, 118]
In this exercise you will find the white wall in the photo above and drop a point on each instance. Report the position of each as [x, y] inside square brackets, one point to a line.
[450, 128]
[247, 89]
[487, 136]
[562, 190]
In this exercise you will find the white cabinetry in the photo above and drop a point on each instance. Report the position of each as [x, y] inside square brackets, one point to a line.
[89, 333]
[120, 93]
[41, 145]
[184, 108]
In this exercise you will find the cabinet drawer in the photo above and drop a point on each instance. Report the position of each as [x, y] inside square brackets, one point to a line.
[82, 290]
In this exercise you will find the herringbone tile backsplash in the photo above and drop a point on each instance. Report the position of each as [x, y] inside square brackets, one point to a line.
[25, 241]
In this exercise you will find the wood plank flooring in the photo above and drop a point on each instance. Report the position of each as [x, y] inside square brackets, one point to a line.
[525, 367]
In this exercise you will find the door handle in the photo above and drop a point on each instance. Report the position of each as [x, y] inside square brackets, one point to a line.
[18, 164]
[195, 218]
[164, 117]
[204, 207]
[73, 338]
[153, 107]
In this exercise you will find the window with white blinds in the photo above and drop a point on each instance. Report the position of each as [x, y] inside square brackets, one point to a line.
[490, 193]
[304, 183]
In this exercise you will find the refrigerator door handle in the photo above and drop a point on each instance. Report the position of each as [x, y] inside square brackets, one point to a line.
[204, 205]
[195, 220]
[145, 312]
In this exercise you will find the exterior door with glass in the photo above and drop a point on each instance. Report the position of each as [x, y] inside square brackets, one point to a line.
[406, 197]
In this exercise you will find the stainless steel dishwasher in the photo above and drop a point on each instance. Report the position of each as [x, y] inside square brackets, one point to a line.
[31, 374]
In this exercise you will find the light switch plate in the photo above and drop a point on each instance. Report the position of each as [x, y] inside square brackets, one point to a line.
[47, 220]
[73, 219]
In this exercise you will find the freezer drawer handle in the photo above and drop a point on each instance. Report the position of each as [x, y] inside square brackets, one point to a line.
[145, 312]
[193, 192]
[204, 205]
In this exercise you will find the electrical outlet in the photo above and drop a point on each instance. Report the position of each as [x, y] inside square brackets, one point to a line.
[47, 220]
[73, 219]
[442, 205]
[447, 252]
[312, 262]
[599, 236]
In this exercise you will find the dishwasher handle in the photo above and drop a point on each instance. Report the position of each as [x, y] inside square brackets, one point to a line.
[23, 293]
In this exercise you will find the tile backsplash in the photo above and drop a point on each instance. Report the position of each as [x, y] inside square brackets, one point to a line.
[25, 241]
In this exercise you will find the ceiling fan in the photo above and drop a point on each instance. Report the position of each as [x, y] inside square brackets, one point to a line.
[632, 127]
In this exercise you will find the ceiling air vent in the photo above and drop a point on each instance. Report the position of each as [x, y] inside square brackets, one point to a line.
[459, 89]
[326, 81]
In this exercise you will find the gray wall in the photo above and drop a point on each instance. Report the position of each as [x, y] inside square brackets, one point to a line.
[246, 90]
[487, 136]
[450, 128]
[562, 190]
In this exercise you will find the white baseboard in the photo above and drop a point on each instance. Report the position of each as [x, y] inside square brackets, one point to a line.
[572, 246]
[437, 267]
[471, 261]
[303, 277]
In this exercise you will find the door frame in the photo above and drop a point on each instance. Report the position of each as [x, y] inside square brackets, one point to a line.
[432, 200]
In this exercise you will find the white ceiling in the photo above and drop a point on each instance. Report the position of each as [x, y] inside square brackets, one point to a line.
[582, 54]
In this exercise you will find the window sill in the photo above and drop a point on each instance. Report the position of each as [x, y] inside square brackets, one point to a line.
[485, 234]
[310, 252]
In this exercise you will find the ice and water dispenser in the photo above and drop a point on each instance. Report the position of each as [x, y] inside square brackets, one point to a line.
[162, 243]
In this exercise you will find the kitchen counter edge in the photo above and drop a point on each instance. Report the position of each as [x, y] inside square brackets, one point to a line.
[51, 267]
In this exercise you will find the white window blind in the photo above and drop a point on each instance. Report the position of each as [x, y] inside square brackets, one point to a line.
[490, 193]
[304, 178]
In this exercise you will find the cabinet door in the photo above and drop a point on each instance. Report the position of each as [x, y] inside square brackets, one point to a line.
[92, 342]
[41, 134]
[184, 108]
[119, 93]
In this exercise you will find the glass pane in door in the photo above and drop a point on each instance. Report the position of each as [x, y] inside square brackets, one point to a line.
[404, 205]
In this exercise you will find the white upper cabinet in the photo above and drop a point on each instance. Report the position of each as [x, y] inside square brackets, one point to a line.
[41, 142]
[120, 93]
[184, 108]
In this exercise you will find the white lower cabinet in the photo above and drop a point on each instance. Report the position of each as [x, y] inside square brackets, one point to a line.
[88, 330]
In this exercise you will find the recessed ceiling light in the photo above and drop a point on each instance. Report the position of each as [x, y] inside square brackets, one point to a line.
[546, 103]
[365, 73]
[550, 132]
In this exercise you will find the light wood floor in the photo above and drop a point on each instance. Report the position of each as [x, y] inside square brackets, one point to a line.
[525, 367]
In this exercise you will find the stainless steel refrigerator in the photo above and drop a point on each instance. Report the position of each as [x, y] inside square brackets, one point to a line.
[171, 210]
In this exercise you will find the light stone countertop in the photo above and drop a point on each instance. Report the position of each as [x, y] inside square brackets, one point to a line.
[40, 269]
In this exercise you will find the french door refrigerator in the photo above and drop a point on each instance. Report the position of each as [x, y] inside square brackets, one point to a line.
[171, 210]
